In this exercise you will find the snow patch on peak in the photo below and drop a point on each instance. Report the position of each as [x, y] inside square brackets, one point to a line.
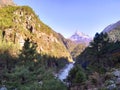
[81, 34]
[80, 37]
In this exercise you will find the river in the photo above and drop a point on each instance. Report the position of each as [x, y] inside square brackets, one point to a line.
[65, 71]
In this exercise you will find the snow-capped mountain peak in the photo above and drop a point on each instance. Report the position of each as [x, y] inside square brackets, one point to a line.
[81, 34]
[80, 37]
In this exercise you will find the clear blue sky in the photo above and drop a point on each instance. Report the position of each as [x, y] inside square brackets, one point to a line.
[68, 16]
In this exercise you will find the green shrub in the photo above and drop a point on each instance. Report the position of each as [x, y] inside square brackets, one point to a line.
[77, 75]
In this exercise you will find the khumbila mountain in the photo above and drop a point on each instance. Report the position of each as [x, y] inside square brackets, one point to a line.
[80, 37]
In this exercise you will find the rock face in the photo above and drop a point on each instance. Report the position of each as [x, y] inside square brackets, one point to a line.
[113, 31]
[111, 27]
[6, 2]
[112, 80]
[19, 23]
[116, 73]
[80, 37]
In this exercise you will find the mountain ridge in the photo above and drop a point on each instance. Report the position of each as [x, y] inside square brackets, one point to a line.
[80, 37]
[113, 31]
[20, 22]
[6, 3]
[111, 26]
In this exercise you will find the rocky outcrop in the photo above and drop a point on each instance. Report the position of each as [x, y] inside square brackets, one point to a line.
[6, 3]
[112, 81]
[25, 24]
[113, 31]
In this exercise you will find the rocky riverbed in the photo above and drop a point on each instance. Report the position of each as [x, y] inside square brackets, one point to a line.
[112, 81]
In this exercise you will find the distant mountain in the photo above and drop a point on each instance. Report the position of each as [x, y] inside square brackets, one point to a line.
[73, 48]
[70, 45]
[80, 37]
[6, 2]
[113, 31]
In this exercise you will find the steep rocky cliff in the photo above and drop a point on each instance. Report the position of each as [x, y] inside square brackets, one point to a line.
[18, 23]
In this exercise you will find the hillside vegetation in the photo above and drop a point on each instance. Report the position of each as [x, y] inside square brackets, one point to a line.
[20, 22]
[31, 53]
[94, 63]
[28, 70]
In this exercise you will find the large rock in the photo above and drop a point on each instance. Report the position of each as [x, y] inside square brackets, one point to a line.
[3, 88]
[116, 73]
[111, 87]
[118, 81]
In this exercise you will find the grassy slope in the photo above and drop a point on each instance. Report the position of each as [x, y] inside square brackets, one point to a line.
[16, 21]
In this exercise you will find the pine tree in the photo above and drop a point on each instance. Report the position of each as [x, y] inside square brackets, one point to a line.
[28, 53]
[99, 47]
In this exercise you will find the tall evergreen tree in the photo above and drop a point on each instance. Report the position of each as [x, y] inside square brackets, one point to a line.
[28, 53]
[99, 46]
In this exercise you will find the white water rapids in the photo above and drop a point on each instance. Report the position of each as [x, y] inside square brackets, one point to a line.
[65, 71]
